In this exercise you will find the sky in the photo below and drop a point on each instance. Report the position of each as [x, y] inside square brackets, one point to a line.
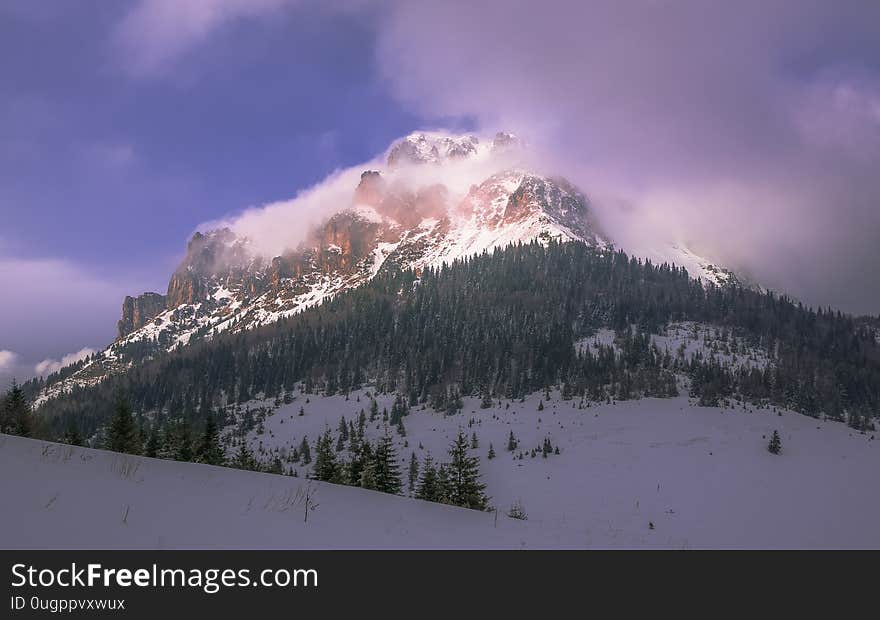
[749, 130]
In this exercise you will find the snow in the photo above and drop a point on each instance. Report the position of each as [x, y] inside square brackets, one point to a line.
[681, 256]
[383, 249]
[368, 213]
[437, 147]
[702, 476]
[693, 338]
[68, 497]
[718, 485]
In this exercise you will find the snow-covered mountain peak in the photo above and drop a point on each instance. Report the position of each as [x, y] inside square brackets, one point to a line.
[470, 198]
[433, 147]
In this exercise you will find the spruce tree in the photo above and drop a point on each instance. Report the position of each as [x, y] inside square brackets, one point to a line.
[511, 442]
[465, 488]
[486, 401]
[151, 449]
[326, 467]
[775, 445]
[428, 488]
[244, 458]
[491, 454]
[413, 472]
[72, 435]
[16, 418]
[386, 470]
[362, 460]
[123, 434]
[184, 442]
[305, 453]
[209, 450]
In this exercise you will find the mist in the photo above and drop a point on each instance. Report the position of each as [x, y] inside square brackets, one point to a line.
[748, 131]
[275, 228]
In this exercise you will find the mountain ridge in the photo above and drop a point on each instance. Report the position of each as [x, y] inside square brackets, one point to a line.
[225, 282]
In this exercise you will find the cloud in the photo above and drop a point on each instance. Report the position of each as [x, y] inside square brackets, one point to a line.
[275, 227]
[48, 366]
[54, 307]
[7, 359]
[155, 33]
[279, 226]
[750, 128]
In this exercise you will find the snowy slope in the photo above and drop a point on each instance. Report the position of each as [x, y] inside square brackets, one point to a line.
[66, 497]
[702, 476]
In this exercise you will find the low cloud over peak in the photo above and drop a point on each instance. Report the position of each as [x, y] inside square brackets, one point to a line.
[752, 128]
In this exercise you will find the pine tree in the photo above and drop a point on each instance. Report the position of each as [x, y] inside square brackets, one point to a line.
[72, 435]
[244, 458]
[362, 461]
[209, 450]
[151, 449]
[16, 413]
[511, 442]
[123, 434]
[429, 487]
[326, 467]
[386, 470]
[465, 488]
[443, 484]
[276, 467]
[775, 445]
[374, 410]
[413, 472]
[486, 401]
[184, 442]
[491, 454]
[305, 453]
[475, 443]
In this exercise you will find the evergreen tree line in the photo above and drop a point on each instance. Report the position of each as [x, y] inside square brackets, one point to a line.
[374, 467]
[503, 325]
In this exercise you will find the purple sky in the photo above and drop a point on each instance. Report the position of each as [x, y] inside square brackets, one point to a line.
[750, 129]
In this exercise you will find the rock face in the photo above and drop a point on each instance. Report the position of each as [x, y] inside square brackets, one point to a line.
[392, 222]
[409, 215]
[138, 311]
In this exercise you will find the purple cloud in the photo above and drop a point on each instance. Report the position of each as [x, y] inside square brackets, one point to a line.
[748, 129]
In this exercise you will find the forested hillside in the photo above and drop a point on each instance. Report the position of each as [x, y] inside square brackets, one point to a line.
[506, 324]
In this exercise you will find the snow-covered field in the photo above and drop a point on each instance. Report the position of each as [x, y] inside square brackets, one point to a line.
[62, 497]
[701, 476]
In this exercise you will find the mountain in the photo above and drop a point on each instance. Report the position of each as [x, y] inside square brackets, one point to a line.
[438, 198]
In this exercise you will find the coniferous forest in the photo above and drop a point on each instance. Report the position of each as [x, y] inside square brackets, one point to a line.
[500, 325]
